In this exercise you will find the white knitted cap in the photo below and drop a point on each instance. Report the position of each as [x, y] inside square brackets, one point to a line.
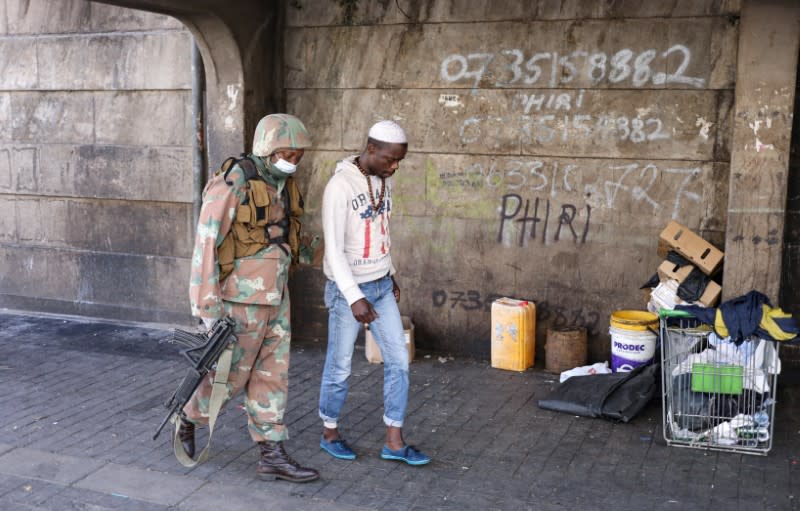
[388, 131]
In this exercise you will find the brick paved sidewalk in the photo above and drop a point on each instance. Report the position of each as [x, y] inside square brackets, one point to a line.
[81, 400]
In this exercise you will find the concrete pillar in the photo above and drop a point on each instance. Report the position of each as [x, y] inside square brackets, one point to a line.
[769, 36]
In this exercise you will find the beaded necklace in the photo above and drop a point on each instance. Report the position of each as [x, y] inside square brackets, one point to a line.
[375, 207]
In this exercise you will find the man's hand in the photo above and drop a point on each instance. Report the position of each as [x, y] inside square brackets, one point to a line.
[396, 290]
[363, 311]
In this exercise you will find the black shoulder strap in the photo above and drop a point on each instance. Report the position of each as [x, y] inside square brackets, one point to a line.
[247, 165]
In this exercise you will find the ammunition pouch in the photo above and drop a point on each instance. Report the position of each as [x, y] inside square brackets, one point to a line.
[251, 228]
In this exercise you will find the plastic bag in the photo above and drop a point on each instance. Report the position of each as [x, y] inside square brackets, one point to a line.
[598, 368]
[616, 396]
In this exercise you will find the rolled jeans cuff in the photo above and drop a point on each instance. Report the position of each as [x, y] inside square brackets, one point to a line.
[328, 422]
[391, 422]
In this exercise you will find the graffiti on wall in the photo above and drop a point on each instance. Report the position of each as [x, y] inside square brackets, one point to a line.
[515, 68]
[659, 187]
[536, 211]
[556, 315]
[550, 199]
[497, 130]
[543, 118]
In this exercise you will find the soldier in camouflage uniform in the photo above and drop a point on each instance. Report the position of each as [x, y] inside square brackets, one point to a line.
[245, 238]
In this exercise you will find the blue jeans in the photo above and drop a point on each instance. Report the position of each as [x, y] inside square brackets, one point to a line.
[343, 328]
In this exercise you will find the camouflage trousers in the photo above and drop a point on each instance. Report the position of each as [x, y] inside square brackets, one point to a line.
[259, 366]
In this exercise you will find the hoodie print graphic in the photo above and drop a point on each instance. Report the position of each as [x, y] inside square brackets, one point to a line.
[376, 220]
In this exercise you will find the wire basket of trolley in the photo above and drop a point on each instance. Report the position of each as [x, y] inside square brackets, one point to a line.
[718, 391]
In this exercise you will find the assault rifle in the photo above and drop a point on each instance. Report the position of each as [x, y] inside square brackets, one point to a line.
[202, 351]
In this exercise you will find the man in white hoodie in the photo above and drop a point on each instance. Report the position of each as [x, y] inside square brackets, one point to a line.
[361, 289]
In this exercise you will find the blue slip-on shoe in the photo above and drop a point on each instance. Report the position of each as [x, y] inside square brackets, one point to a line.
[337, 448]
[408, 454]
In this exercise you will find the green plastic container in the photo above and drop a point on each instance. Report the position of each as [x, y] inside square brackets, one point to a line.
[719, 379]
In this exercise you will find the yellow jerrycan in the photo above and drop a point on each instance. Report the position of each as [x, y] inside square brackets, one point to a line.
[513, 334]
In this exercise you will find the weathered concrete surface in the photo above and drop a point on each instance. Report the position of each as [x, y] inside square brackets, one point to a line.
[84, 224]
[550, 142]
[606, 124]
[240, 42]
[760, 148]
[117, 62]
[546, 153]
[790, 268]
[54, 117]
[127, 118]
[70, 16]
[95, 62]
[95, 162]
[632, 53]
[67, 170]
[623, 194]
[18, 64]
[372, 13]
[131, 287]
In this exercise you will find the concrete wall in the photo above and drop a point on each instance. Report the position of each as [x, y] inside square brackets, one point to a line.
[550, 142]
[790, 278]
[95, 160]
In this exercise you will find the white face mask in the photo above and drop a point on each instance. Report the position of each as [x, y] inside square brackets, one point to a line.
[285, 166]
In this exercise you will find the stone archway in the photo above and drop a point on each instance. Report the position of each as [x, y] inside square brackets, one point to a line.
[240, 42]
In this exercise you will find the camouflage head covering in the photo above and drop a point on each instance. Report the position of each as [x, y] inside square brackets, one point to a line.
[279, 131]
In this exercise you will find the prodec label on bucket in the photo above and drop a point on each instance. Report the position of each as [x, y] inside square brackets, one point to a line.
[631, 349]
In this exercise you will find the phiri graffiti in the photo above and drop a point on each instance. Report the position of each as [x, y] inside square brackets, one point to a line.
[528, 217]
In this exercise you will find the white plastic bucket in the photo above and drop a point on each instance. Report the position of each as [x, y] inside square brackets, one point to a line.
[631, 348]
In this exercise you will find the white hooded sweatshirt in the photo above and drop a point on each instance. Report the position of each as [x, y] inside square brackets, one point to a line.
[356, 237]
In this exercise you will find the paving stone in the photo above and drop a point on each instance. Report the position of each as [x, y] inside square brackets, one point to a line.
[9, 483]
[76, 499]
[212, 497]
[47, 466]
[469, 415]
[141, 484]
[33, 492]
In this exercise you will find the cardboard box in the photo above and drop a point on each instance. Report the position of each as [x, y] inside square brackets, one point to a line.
[668, 270]
[374, 352]
[701, 253]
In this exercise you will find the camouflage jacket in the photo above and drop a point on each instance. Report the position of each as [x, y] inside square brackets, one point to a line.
[257, 279]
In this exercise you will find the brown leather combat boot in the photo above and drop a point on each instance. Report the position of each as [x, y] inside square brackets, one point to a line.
[186, 436]
[276, 464]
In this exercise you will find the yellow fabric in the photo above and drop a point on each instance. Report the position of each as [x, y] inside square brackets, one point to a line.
[768, 323]
[719, 325]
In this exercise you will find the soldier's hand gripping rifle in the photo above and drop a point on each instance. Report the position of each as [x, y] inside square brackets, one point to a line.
[202, 351]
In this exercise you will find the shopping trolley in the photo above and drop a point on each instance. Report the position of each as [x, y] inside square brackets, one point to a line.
[717, 394]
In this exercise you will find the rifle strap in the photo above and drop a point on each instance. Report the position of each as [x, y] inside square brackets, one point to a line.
[218, 394]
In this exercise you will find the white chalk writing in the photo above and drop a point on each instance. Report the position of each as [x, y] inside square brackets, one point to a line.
[513, 68]
[658, 188]
[545, 128]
